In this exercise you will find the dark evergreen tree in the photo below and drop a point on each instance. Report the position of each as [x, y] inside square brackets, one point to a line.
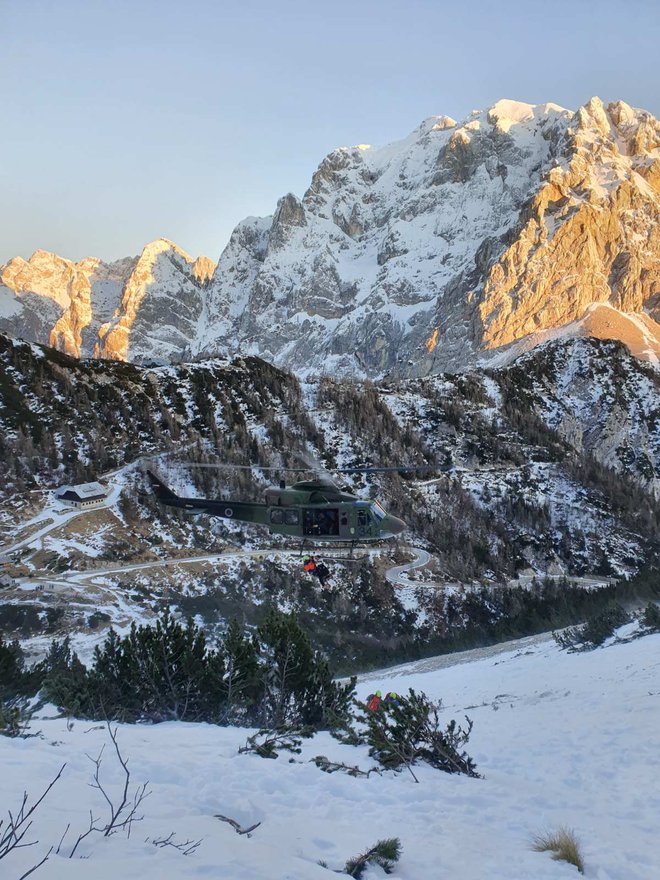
[241, 681]
[65, 680]
[651, 617]
[298, 688]
[12, 664]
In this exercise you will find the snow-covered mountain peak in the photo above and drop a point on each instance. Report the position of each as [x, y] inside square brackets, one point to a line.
[459, 239]
[164, 246]
[506, 114]
[44, 273]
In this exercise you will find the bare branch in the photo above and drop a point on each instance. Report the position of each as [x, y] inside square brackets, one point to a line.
[17, 827]
[185, 847]
[123, 814]
[59, 845]
[38, 865]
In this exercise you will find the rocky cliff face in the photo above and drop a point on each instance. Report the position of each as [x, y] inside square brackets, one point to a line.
[453, 243]
[379, 247]
[143, 308]
[463, 242]
[589, 235]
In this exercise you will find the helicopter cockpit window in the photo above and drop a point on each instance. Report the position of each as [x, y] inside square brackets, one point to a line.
[277, 515]
[291, 517]
[377, 510]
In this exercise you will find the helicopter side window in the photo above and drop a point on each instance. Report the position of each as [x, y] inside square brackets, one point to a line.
[277, 515]
[291, 517]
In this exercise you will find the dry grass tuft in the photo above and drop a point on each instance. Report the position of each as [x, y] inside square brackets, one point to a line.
[563, 844]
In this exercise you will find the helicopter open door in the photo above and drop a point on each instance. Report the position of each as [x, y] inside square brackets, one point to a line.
[323, 522]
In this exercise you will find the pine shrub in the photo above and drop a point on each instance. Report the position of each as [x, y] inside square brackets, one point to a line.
[385, 853]
[595, 631]
[651, 617]
[168, 671]
[298, 687]
[15, 718]
[407, 731]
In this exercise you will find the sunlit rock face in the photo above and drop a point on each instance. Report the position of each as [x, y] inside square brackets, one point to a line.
[589, 235]
[451, 245]
[138, 308]
[160, 309]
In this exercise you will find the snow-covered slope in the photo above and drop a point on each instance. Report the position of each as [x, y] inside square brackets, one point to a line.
[460, 240]
[561, 740]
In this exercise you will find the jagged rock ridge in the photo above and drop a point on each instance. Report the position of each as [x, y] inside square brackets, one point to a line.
[142, 308]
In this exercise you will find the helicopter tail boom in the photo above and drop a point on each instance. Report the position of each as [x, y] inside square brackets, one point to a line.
[162, 492]
[245, 511]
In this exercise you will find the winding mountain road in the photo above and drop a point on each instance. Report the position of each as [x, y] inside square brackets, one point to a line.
[397, 574]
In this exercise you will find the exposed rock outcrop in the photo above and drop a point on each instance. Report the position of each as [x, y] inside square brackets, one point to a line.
[591, 233]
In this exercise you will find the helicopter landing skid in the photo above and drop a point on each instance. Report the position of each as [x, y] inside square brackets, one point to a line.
[341, 552]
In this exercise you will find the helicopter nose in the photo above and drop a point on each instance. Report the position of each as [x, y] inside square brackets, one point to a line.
[393, 525]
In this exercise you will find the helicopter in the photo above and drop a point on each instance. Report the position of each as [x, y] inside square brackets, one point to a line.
[312, 510]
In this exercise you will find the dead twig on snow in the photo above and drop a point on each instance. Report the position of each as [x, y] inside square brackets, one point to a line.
[234, 824]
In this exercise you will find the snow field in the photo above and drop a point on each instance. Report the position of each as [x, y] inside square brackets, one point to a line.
[562, 739]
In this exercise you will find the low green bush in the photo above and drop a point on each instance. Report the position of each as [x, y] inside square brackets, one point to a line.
[595, 631]
[168, 671]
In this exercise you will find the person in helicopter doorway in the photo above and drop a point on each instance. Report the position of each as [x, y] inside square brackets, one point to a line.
[318, 569]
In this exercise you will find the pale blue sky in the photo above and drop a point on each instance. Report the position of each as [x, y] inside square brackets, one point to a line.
[126, 121]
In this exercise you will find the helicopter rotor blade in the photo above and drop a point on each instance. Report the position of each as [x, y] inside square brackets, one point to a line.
[394, 469]
[313, 468]
[242, 467]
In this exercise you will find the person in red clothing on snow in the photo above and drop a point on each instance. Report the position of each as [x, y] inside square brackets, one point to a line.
[373, 701]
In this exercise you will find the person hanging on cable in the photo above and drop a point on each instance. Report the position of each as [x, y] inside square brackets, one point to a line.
[318, 569]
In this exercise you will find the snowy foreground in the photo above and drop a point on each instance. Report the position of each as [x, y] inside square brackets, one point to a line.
[562, 739]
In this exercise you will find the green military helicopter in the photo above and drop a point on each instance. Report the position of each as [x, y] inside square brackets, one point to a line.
[312, 510]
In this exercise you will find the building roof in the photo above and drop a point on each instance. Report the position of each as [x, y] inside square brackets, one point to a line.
[82, 492]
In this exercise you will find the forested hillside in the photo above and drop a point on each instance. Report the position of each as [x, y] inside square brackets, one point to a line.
[525, 465]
